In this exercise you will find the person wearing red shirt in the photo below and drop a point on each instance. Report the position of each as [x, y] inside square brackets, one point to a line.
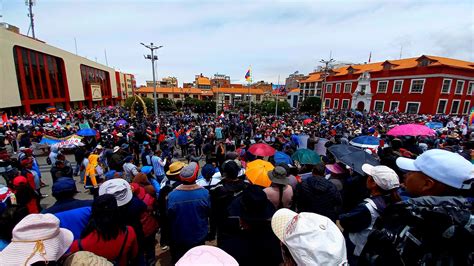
[106, 235]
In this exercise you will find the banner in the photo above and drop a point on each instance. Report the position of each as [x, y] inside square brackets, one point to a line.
[24, 122]
[96, 92]
[279, 89]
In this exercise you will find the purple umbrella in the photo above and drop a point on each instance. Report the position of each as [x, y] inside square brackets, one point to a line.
[121, 122]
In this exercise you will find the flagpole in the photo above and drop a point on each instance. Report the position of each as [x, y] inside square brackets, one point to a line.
[250, 96]
[278, 93]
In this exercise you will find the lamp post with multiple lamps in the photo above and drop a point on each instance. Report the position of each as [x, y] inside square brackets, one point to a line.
[153, 58]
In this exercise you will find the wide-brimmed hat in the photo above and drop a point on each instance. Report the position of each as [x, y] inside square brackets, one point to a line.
[175, 168]
[119, 188]
[116, 149]
[278, 175]
[36, 238]
[206, 255]
[312, 239]
[189, 172]
[254, 205]
[85, 258]
[119, 135]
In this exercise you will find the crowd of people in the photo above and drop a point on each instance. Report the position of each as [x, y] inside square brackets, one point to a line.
[179, 182]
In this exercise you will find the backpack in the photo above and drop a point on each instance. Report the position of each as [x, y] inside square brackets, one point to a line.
[423, 231]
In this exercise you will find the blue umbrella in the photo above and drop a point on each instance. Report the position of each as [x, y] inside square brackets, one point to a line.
[281, 157]
[434, 125]
[86, 132]
[365, 142]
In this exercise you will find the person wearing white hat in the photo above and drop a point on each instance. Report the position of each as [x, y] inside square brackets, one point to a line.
[311, 239]
[437, 172]
[382, 183]
[36, 238]
[435, 225]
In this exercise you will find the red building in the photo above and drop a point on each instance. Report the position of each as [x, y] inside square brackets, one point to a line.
[425, 85]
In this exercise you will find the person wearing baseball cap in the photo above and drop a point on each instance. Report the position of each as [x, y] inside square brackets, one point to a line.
[188, 210]
[437, 172]
[382, 184]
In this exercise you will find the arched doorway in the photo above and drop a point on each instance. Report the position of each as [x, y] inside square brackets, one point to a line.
[360, 106]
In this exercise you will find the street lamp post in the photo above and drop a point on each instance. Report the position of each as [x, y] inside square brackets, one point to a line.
[153, 58]
[326, 73]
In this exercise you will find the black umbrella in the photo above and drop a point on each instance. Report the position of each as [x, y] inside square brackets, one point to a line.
[352, 157]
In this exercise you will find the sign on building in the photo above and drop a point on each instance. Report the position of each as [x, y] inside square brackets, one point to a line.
[96, 92]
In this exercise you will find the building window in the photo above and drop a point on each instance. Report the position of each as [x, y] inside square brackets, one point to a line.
[176, 96]
[417, 85]
[347, 87]
[165, 96]
[412, 108]
[258, 97]
[442, 103]
[318, 92]
[382, 87]
[38, 74]
[397, 86]
[345, 104]
[470, 88]
[338, 87]
[195, 96]
[328, 88]
[379, 105]
[394, 106]
[455, 106]
[466, 107]
[446, 86]
[327, 103]
[459, 87]
[289, 97]
[336, 104]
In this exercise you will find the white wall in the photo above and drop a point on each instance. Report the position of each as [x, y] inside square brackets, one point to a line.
[9, 90]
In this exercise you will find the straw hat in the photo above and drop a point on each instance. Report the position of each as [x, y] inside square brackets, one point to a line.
[175, 168]
[36, 238]
[85, 258]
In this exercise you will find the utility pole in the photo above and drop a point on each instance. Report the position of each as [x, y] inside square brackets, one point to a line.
[153, 58]
[30, 4]
[277, 94]
[326, 73]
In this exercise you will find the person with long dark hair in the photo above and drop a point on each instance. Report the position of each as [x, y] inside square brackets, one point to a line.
[107, 235]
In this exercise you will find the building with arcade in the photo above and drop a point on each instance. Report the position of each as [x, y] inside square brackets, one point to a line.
[422, 85]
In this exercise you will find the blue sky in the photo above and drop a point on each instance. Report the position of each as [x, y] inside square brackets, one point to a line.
[225, 37]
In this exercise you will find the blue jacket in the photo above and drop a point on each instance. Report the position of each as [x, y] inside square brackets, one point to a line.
[66, 205]
[188, 210]
[182, 139]
[74, 220]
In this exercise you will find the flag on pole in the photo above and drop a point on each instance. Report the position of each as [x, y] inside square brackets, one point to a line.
[248, 76]
[370, 56]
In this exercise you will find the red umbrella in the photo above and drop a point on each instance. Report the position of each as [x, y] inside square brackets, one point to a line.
[262, 149]
[411, 130]
[307, 121]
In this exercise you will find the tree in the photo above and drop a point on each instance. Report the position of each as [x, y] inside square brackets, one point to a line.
[148, 103]
[165, 104]
[311, 105]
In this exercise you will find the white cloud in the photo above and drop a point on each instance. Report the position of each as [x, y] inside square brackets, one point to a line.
[275, 37]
